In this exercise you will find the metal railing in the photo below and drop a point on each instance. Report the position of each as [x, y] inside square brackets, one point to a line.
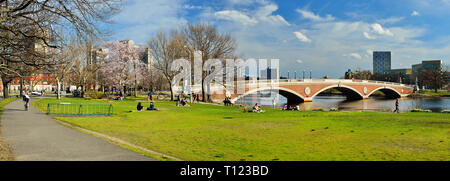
[80, 109]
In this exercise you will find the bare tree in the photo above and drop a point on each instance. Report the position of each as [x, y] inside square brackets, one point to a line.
[363, 75]
[31, 28]
[435, 77]
[64, 63]
[213, 45]
[165, 49]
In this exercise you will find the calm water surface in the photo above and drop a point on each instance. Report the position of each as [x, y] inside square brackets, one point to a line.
[374, 104]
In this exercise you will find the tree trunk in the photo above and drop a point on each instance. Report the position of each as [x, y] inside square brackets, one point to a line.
[135, 88]
[21, 87]
[171, 94]
[124, 91]
[82, 91]
[58, 88]
[5, 89]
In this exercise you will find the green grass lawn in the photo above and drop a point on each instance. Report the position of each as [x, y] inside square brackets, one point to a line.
[209, 132]
[5, 154]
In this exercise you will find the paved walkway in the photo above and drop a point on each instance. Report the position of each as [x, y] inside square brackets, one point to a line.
[32, 135]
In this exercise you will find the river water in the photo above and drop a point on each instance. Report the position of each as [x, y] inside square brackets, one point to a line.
[373, 104]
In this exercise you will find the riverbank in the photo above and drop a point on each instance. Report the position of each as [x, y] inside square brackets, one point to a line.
[209, 132]
[5, 153]
[430, 94]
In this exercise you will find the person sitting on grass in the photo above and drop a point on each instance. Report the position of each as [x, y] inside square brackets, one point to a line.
[140, 107]
[152, 107]
[256, 108]
[119, 98]
[285, 107]
[297, 108]
[184, 103]
[227, 102]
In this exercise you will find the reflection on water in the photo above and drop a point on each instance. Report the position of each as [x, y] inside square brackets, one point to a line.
[374, 104]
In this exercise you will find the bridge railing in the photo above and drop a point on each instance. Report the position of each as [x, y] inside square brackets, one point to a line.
[282, 81]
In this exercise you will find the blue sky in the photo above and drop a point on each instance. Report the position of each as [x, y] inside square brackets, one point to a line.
[327, 37]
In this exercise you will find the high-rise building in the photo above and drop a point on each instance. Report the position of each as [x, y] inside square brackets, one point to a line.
[381, 61]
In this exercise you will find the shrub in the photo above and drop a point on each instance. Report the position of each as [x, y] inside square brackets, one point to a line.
[96, 95]
[317, 110]
[421, 110]
[446, 111]
[334, 109]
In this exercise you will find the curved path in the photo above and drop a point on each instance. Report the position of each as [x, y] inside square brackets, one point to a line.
[32, 135]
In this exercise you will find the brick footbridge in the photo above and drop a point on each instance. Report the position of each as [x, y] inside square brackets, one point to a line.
[304, 90]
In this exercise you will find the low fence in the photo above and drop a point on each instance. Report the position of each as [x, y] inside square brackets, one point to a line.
[80, 109]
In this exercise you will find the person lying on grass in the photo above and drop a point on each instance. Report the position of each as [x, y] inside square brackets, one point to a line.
[152, 107]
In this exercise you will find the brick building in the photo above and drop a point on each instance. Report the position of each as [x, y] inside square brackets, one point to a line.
[34, 82]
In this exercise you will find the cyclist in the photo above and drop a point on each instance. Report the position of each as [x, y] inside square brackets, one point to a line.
[26, 100]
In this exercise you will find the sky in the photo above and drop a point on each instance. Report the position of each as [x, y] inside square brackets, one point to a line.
[325, 37]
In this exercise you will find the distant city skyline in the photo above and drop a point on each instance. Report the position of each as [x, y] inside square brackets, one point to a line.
[325, 37]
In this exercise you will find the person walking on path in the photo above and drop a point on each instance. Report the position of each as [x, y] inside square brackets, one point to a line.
[149, 96]
[397, 110]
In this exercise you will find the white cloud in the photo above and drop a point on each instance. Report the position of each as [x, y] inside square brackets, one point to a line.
[236, 16]
[354, 55]
[192, 7]
[380, 30]
[368, 36]
[299, 61]
[263, 14]
[240, 2]
[300, 36]
[310, 15]
[415, 13]
[391, 20]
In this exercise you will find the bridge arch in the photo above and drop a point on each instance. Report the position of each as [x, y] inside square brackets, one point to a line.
[349, 92]
[388, 92]
[292, 96]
